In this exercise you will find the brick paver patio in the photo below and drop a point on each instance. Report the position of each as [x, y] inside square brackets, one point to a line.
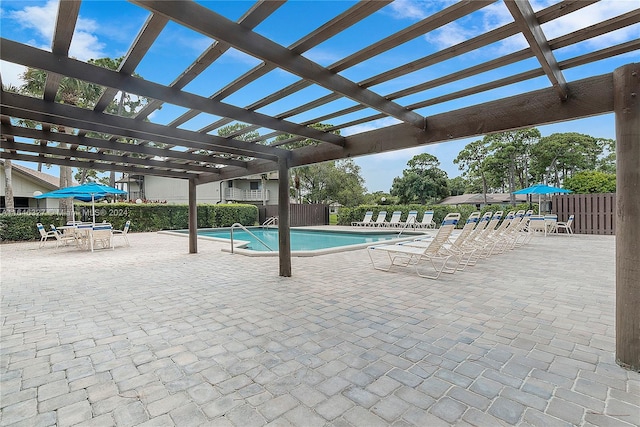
[151, 335]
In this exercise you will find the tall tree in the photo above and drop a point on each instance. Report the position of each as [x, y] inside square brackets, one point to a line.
[422, 182]
[557, 156]
[472, 159]
[511, 149]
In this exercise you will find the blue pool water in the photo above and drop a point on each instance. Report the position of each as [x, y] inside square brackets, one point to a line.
[301, 240]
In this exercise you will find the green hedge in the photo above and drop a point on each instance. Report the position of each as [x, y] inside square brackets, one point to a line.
[143, 217]
[348, 215]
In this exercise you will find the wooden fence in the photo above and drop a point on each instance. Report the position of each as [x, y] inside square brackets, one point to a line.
[594, 213]
[299, 214]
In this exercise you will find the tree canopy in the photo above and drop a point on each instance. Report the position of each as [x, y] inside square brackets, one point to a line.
[422, 182]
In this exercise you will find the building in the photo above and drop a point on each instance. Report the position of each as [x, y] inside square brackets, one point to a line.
[26, 184]
[259, 190]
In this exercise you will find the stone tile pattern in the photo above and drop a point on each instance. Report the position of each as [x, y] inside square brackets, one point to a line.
[151, 335]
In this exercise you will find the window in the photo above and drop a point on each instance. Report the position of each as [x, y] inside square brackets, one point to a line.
[254, 185]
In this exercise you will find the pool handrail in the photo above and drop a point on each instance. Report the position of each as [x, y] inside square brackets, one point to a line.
[272, 220]
[238, 225]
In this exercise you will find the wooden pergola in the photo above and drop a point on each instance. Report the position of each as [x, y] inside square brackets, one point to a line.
[201, 157]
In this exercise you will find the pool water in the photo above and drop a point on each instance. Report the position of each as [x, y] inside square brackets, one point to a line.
[301, 240]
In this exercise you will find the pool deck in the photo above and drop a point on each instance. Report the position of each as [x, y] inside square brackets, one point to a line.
[152, 335]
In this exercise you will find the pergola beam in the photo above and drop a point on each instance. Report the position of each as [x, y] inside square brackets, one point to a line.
[207, 22]
[526, 20]
[31, 57]
[114, 145]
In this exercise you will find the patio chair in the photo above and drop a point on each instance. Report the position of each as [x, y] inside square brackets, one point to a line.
[63, 238]
[365, 221]
[380, 220]
[427, 220]
[395, 220]
[566, 226]
[101, 235]
[434, 254]
[551, 220]
[123, 232]
[537, 225]
[44, 234]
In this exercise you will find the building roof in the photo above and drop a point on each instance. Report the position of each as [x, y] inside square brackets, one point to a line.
[478, 198]
[49, 181]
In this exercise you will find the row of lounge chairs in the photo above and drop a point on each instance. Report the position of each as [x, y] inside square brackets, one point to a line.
[480, 238]
[83, 235]
[395, 220]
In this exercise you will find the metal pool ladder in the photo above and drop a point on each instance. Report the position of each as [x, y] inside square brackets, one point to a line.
[272, 220]
[238, 225]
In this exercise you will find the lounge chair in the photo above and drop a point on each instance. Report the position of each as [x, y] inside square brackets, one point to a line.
[44, 234]
[435, 254]
[411, 221]
[566, 226]
[123, 232]
[551, 220]
[462, 252]
[365, 221]
[380, 220]
[395, 220]
[427, 220]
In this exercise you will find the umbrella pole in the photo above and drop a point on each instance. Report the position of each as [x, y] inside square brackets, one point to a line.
[93, 208]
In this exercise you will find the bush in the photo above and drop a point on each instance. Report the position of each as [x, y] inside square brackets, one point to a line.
[143, 217]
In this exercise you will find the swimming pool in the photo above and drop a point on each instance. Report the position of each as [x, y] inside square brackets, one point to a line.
[304, 241]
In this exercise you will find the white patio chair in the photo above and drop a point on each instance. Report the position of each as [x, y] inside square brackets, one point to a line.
[123, 232]
[101, 235]
[566, 226]
[44, 234]
[63, 238]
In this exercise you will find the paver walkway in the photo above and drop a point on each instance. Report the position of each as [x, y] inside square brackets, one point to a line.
[151, 335]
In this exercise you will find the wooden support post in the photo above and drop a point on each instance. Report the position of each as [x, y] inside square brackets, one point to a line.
[284, 239]
[626, 104]
[193, 218]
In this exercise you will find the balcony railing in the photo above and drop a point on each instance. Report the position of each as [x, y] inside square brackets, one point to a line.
[236, 194]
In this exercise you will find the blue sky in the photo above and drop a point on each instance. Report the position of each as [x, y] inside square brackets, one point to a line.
[108, 28]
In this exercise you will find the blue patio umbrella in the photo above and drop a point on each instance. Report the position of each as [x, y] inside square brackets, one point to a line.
[85, 192]
[541, 189]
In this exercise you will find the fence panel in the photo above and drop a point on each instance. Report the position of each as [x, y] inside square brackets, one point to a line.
[593, 213]
[299, 214]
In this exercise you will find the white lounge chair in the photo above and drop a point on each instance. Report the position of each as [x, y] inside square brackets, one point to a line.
[380, 220]
[123, 232]
[365, 221]
[395, 220]
[411, 221]
[566, 226]
[434, 254]
[427, 220]
[458, 246]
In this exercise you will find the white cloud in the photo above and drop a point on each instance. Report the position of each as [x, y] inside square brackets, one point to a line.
[11, 73]
[42, 19]
[366, 127]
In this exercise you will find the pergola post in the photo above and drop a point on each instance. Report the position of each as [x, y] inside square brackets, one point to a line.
[193, 218]
[626, 104]
[284, 240]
